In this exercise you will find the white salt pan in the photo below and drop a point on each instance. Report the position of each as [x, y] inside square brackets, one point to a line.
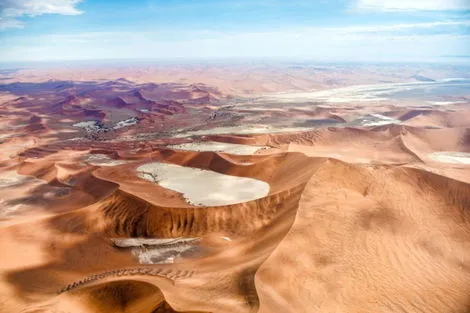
[451, 157]
[202, 187]
[218, 147]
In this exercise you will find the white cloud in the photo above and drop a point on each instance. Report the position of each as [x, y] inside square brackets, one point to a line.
[447, 26]
[10, 23]
[396, 42]
[360, 30]
[411, 5]
[11, 10]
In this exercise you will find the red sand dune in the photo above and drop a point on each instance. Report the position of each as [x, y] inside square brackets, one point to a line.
[357, 219]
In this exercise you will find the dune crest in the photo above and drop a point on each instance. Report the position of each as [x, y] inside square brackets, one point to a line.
[246, 190]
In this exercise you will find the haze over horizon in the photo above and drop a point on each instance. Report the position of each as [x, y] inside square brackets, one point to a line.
[245, 156]
[340, 30]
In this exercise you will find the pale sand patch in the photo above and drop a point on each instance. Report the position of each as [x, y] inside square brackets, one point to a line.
[218, 147]
[102, 160]
[343, 154]
[451, 157]
[65, 130]
[157, 251]
[375, 120]
[12, 179]
[259, 129]
[86, 124]
[358, 93]
[202, 187]
[126, 123]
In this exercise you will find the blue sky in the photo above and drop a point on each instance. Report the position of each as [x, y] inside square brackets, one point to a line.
[322, 30]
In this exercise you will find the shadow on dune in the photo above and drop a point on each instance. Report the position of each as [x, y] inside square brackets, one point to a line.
[318, 210]
[81, 256]
[26, 88]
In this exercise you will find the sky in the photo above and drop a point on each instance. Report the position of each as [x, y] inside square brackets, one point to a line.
[319, 30]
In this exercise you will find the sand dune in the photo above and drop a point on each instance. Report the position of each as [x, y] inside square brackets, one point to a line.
[210, 198]
[316, 206]
[367, 224]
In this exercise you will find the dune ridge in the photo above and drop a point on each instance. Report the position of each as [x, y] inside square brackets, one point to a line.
[269, 229]
[365, 204]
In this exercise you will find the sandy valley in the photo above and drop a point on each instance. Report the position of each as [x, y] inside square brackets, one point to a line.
[273, 188]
